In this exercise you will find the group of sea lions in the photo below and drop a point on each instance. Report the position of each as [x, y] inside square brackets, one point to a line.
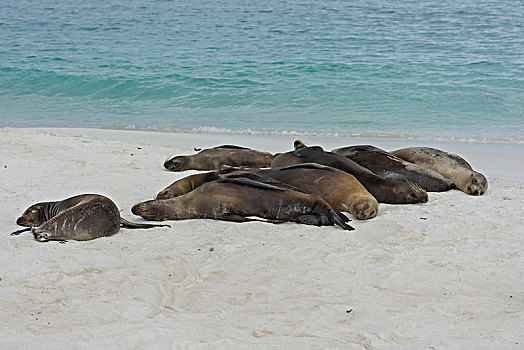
[307, 185]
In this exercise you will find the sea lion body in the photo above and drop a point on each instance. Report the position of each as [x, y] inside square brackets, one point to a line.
[449, 165]
[83, 217]
[237, 199]
[391, 167]
[341, 190]
[218, 157]
[346, 151]
[384, 190]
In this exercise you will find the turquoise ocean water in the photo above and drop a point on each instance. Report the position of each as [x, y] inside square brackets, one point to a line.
[425, 69]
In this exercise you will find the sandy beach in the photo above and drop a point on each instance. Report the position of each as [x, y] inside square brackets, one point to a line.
[447, 274]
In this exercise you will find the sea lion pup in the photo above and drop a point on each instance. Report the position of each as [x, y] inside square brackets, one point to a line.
[82, 218]
[341, 190]
[448, 165]
[237, 199]
[388, 166]
[218, 157]
[384, 190]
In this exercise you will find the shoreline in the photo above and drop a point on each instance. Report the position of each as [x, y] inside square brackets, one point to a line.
[500, 160]
[444, 274]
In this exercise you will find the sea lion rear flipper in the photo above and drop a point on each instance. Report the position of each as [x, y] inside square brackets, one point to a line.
[17, 232]
[231, 146]
[250, 182]
[340, 222]
[133, 225]
[341, 215]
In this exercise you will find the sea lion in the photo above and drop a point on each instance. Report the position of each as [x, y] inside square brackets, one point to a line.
[345, 151]
[82, 218]
[218, 157]
[341, 190]
[384, 190]
[237, 199]
[448, 165]
[388, 166]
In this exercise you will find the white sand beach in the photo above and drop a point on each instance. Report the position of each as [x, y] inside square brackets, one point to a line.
[447, 274]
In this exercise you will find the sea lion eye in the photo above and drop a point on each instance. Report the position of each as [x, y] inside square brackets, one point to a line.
[475, 181]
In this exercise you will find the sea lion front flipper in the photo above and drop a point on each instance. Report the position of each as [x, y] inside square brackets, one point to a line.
[234, 217]
[134, 225]
[250, 182]
[306, 166]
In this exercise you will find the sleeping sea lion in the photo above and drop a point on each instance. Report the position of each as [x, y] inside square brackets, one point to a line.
[82, 218]
[345, 151]
[448, 165]
[340, 189]
[388, 166]
[218, 157]
[237, 199]
[384, 190]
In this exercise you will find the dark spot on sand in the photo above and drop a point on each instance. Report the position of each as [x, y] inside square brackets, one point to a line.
[423, 218]
[348, 311]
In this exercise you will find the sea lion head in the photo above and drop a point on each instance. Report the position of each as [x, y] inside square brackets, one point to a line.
[33, 216]
[177, 163]
[169, 192]
[365, 208]
[411, 194]
[150, 210]
[476, 184]
[298, 144]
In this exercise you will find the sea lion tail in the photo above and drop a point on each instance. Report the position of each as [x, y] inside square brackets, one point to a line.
[132, 225]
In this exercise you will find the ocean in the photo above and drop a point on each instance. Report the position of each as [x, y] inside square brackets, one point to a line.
[446, 70]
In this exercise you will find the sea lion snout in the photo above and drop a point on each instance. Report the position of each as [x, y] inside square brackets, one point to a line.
[164, 194]
[174, 164]
[476, 185]
[146, 211]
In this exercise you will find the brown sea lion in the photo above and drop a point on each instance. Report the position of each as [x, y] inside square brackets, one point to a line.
[340, 189]
[218, 157]
[448, 165]
[388, 166]
[384, 190]
[237, 199]
[82, 218]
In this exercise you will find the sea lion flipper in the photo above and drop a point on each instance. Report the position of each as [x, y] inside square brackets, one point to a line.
[133, 225]
[231, 147]
[250, 182]
[17, 232]
[341, 216]
[234, 217]
[340, 222]
[306, 166]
